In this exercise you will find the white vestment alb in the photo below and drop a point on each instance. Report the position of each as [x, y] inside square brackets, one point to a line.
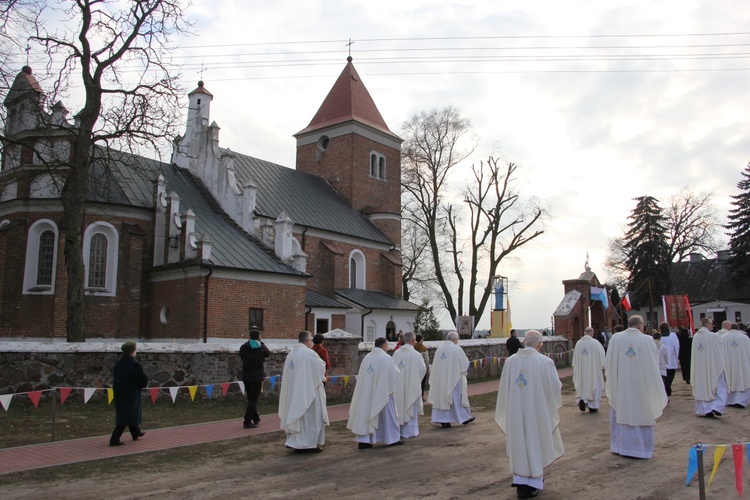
[373, 395]
[588, 363]
[408, 395]
[528, 399]
[302, 400]
[635, 391]
[737, 367]
[673, 350]
[449, 393]
[706, 372]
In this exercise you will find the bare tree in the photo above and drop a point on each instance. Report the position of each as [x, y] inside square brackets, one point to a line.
[692, 224]
[118, 53]
[433, 147]
[617, 270]
[499, 224]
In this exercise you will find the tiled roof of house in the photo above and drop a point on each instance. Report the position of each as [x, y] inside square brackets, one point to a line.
[307, 199]
[348, 100]
[376, 300]
[708, 280]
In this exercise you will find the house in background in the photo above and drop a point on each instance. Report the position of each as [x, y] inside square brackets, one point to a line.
[215, 241]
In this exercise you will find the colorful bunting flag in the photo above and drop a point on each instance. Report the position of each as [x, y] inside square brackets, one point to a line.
[224, 388]
[5, 400]
[334, 380]
[110, 395]
[242, 386]
[34, 397]
[346, 380]
[173, 393]
[209, 390]
[192, 390]
[718, 454]
[87, 393]
[272, 380]
[692, 464]
[154, 393]
[737, 455]
[64, 393]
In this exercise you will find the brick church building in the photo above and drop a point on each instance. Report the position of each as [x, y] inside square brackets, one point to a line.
[215, 241]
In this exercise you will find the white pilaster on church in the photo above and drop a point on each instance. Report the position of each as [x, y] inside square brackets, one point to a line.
[160, 220]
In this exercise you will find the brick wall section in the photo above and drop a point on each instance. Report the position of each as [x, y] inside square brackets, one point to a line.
[38, 367]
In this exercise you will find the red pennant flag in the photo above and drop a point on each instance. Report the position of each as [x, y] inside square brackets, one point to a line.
[224, 388]
[64, 393]
[737, 452]
[154, 392]
[34, 397]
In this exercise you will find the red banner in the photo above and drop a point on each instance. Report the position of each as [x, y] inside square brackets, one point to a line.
[677, 311]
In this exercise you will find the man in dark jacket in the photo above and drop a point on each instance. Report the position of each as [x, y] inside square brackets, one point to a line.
[512, 344]
[253, 354]
[129, 379]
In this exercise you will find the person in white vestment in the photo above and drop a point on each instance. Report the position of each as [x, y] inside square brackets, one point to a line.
[412, 369]
[449, 393]
[707, 371]
[528, 399]
[588, 376]
[372, 413]
[635, 391]
[302, 400]
[725, 327]
[737, 366]
[672, 343]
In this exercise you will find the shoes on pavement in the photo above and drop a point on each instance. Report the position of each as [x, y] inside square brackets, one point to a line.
[317, 449]
[363, 446]
[249, 425]
[593, 410]
[443, 425]
[116, 443]
[582, 405]
[139, 435]
[399, 442]
[710, 415]
[525, 491]
[718, 414]
[469, 421]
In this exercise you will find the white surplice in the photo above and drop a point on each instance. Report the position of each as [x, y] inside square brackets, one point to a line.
[408, 395]
[706, 372]
[448, 379]
[302, 400]
[588, 366]
[737, 367]
[528, 399]
[373, 395]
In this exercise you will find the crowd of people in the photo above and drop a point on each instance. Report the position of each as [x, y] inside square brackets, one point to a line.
[634, 368]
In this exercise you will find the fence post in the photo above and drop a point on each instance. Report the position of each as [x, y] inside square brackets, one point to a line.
[54, 391]
[701, 477]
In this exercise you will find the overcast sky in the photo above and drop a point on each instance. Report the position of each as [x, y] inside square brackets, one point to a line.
[597, 101]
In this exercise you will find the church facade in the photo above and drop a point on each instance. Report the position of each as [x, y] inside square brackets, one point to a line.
[213, 242]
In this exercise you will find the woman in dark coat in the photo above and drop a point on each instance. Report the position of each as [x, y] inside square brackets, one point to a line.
[686, 343]
[129, 379]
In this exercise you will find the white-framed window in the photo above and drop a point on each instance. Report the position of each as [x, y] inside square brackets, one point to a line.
[100, 244]
[357, 268]
[377, 165]
[41, 258]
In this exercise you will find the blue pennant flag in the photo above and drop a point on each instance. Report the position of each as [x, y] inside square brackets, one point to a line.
[209, 390]
[692, 464]
[273, 381]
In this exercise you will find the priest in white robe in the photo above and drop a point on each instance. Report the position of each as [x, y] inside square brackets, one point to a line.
[726, 325]
[588, 375]
[737, 369]
[635, 391]
[528, 400]
[449, 393]
[372, 413]
[302, 400]
[707, 371]
[408, 397]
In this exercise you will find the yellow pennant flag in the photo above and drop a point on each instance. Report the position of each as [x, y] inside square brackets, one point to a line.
[193, 389]
[346, 380]
[718, 454]
[110, 396]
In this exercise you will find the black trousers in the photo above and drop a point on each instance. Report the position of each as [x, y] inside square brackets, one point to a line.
[252, 391]
[668, 380]
[685, 367]
[135, 432]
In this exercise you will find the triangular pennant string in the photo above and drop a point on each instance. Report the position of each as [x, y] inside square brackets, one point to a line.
[64, 393]
[718, 454]
[242, 387]
[224, 388]
[110, 395]
[209, 390]
[335, 379]
[34, 397]
[173, 393]
[192, 390]
[346, 380]
[737, 455]
[5, 400]
[87, 393]
[692, 464]
[272, 380]
[154, 393]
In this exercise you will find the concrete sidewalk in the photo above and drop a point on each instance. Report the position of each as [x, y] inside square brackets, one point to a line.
[39, 456]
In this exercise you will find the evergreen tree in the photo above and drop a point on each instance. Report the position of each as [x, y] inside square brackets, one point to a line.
[739, 225]
[426, 323]
[647, 253]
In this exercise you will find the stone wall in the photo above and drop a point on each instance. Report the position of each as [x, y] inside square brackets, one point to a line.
[29, 366]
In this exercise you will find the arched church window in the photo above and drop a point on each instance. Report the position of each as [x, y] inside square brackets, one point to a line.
[41, 258]
[373, 164]
[357, 278]
[100, 243]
